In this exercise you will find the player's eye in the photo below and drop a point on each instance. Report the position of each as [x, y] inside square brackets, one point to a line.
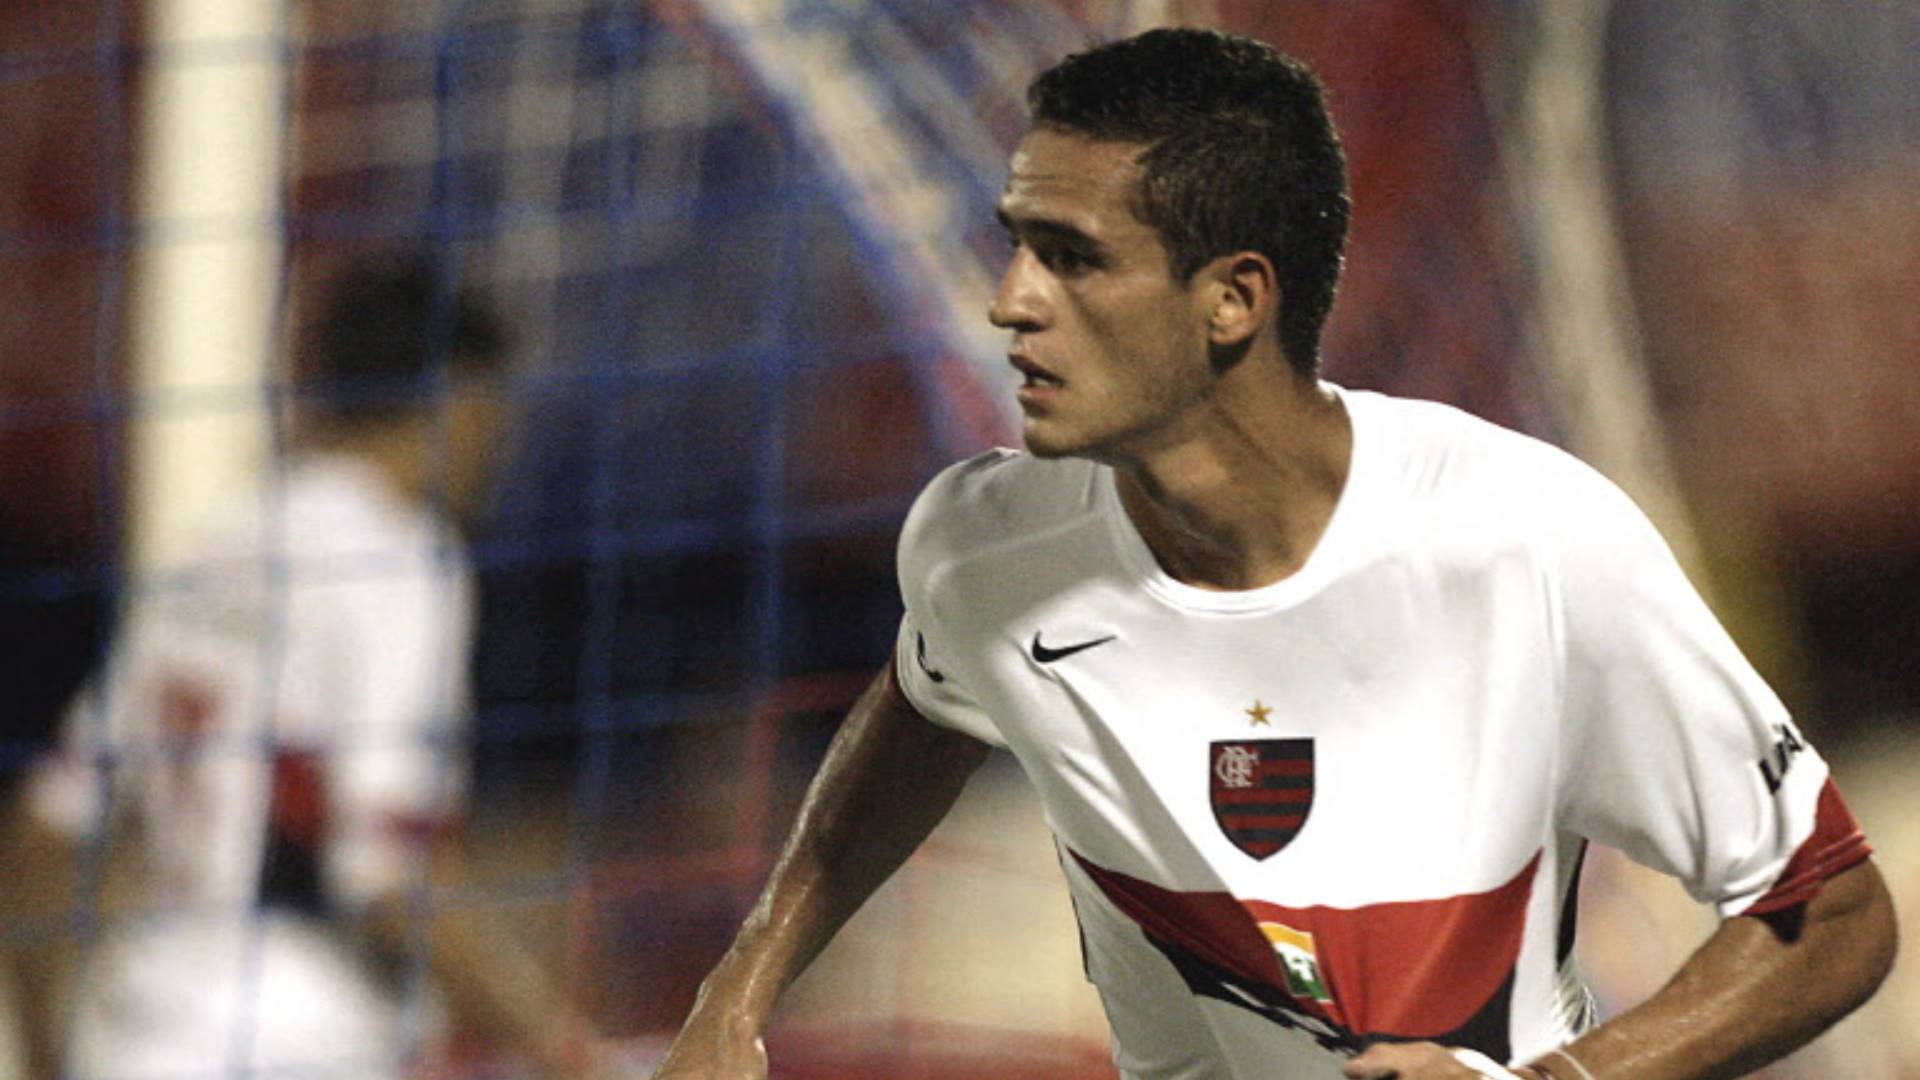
[1066, 259]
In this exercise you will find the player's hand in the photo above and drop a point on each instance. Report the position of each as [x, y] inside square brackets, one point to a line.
[1427, 1061]
[711, 1050]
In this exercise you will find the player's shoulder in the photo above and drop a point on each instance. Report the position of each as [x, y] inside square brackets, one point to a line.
[1448, 454]
[1492, 489]
[993, 501]
[1446, 446]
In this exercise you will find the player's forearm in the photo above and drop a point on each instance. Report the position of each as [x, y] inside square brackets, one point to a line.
[38, 890]
[888, 779]
[491, 982]
[1755, 991]
[496, 985]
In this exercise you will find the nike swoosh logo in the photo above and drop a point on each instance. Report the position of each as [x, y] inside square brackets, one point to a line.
[1044, 655]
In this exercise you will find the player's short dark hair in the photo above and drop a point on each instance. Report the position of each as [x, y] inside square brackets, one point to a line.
[388, 328]
[1241, 156]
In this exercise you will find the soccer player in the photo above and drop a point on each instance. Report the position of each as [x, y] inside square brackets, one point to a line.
[1324, 692]
[275, 729]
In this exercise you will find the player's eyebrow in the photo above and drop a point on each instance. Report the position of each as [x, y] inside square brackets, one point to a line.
[1059, 232]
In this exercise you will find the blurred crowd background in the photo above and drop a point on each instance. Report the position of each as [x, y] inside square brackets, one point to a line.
[747, 246]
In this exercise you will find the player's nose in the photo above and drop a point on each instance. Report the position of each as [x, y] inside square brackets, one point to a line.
[1020, 303]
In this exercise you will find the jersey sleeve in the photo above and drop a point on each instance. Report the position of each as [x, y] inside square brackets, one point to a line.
[395, 774]
[925, 657]
[1676, 752]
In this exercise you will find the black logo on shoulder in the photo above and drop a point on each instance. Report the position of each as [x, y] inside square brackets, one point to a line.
[1044, 655]
[920, 657]
[1773, 767]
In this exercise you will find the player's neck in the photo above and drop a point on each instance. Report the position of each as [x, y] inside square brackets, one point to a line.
[1242, 500]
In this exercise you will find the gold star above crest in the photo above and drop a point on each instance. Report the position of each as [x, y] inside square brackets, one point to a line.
[1258, 714]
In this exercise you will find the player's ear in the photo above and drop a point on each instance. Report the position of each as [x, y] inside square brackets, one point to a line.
[1243, 294]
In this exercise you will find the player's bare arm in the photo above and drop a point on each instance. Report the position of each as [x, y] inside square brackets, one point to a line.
[888, 779]
[1759, 988]
[37, 889]
[492, 985]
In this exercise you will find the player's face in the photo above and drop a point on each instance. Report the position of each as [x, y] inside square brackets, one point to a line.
[1112, 350]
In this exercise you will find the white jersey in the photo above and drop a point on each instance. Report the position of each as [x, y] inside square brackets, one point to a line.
[1350, 806]
[277, 716]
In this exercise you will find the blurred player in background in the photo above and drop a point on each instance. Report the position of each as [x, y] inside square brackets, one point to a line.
[276, 732]
[1325, 692]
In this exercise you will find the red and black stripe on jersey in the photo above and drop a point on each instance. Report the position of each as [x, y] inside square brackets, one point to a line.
[1439, 969]
[297, 826]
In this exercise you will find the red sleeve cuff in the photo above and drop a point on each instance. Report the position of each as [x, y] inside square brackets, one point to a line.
[1835, 845]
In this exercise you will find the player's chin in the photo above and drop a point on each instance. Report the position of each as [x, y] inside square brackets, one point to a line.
[1051, 438]
[1046, 441]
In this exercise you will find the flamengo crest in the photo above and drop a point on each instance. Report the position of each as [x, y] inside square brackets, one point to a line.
[1262, 790]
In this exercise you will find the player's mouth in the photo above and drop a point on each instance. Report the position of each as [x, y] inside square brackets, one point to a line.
[1036, 383]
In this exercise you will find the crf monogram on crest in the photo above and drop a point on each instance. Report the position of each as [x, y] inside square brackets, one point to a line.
[1262, 791]
[1236, 765]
